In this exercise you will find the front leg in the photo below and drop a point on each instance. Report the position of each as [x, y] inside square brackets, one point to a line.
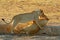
[37, 23]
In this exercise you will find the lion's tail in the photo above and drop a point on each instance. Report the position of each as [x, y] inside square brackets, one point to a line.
[6, 22]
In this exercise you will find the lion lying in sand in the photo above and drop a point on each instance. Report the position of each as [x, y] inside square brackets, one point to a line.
[28, 28]
[31, 27]
[5, 29]
[26, 17]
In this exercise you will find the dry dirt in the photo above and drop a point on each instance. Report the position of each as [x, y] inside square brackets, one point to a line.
[10, 8]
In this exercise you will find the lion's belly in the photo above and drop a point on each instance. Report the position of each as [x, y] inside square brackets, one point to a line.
[30, 28]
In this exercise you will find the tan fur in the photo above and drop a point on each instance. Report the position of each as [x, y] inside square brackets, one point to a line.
[26, 17]
[33, 28]
[43, 20]
[5, 28]
[29, 28]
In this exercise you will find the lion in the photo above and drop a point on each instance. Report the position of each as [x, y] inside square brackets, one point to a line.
[5, 28]
[31, 27]
[27, 28]
[23, 18]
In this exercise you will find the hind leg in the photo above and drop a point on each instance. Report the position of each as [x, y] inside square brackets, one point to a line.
[14, 25]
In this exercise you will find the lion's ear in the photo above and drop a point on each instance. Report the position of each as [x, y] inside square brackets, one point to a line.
[41, 10]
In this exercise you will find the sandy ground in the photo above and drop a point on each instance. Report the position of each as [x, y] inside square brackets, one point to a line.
[35, 37]
[10, 8]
